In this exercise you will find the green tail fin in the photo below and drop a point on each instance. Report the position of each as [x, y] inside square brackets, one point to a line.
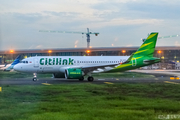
[148, 47]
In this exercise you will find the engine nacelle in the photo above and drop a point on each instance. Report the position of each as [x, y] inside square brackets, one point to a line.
[73, 73]
[58, 75]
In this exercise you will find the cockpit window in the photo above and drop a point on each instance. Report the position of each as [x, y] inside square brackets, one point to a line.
[23, 61]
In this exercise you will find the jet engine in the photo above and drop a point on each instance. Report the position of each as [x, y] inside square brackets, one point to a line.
[58, 75]
[73, 73]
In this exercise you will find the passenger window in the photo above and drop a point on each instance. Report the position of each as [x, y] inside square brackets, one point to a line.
[26, 61]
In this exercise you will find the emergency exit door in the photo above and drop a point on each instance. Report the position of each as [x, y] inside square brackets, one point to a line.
[36, 63]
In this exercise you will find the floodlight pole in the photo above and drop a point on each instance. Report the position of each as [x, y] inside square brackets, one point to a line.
[88, 38]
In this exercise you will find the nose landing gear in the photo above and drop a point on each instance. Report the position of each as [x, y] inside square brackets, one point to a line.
[35, 77]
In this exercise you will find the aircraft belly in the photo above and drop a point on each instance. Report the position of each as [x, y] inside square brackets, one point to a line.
[48, 69]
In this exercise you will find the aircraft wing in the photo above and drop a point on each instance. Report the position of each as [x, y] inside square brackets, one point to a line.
[96, 68]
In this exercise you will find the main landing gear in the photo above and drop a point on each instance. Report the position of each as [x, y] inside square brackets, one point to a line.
[81, 79]
[90, 78]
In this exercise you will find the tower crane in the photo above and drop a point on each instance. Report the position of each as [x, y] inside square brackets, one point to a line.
[170, 36]
[87, 34]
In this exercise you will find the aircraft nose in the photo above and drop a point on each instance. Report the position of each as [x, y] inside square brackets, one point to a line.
[16, 67]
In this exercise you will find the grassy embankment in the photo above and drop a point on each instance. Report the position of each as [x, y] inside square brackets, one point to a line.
[88, 101]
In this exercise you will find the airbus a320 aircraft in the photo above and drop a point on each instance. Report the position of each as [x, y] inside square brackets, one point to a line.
[76, 67]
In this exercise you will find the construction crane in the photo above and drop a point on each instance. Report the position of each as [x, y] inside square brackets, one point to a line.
[170, 36]
[87, 34]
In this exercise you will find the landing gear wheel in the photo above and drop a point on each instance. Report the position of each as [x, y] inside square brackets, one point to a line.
[81, 79]
[90, 79]
[34, 79]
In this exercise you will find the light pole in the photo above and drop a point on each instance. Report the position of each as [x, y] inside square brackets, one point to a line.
[49, 51]
[88, 51]
[11, 51]
[123, 51]
[159, 52]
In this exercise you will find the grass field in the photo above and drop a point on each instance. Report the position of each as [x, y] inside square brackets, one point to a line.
[89, 101]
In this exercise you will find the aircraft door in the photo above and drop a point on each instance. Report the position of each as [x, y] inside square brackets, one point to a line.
[36, 63]
[133, 61]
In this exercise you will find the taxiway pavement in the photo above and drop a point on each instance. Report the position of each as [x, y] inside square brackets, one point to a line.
[53, 81]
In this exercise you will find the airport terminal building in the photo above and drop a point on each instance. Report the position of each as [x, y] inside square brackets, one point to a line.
[170, 55]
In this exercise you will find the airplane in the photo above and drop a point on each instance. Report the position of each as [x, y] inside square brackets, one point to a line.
[8, 67]
[76, 67]
[4, 65]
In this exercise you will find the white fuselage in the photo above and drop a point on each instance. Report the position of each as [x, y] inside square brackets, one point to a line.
[55, 64]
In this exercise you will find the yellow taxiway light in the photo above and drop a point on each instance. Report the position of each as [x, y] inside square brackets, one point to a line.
[0, 89]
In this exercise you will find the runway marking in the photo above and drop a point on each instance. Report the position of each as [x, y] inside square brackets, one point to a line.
[117, 79]
[156, 79]
[108, 83]
[171, 82]
[101, 79]
[45, 84]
